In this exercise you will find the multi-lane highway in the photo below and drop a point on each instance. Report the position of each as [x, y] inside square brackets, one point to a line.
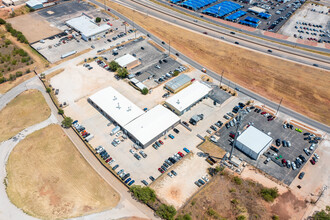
[242, 90]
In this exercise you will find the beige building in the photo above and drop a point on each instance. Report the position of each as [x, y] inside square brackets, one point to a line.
[127, 61]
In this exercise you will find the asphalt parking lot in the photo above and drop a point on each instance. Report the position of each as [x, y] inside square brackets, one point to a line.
[219, 95]
[275, 130]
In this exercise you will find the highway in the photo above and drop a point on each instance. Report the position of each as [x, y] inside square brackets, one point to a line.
[225, 81]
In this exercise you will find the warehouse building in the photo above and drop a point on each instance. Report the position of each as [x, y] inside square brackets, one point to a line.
[256, 10]
[114, 106]
[253, 142]
[127, 61]
[150, 126]
[35, 4]
[178, 83]
[188, 97]
[88, 29]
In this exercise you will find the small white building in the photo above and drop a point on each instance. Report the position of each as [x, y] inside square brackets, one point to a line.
[256, 10]
[127, 61]
[150, 126]
[87, 27]
[253, 142]
[115, 106]
[188, 97]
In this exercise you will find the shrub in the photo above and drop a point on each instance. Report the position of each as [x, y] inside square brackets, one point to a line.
[28, 71]
[144, 91]
[323, 214]
[60, 111]
[269, 194]
[122, 72]
[48, 90]
[2, 21]
[97, 19]
[237, 180]
[144, 194]
[67, 122]
[2, 80]
[13, 62]
[241, 217]
[176, 73]
[7, 42]
[185, 217]
[166, 212]
[113, 65]
[12, 77]
[275, 217]
[19, 73]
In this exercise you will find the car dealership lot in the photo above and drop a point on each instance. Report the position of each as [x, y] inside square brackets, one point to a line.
[275, 129]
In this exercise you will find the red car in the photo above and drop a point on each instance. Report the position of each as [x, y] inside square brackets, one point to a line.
[232, 135]
[161, 170]
[283, 161]
[313, 162]
[108, 159]
[263, 113]
[181, 154]
[271, 118]
[161, 142]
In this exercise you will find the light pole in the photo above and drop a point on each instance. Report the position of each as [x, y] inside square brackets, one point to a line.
[279, 105]
[221, 77]
[169, 47]
[238, 125]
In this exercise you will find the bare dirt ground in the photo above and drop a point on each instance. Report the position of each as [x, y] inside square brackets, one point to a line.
[176, 190]
[26, 109]
[49, 179]
[303, 88]
[213, 150]
[27, 23]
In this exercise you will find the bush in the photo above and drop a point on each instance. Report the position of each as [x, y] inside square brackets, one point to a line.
[237, 180]
[19, 73]
[28, 71]
[185, 217]
[166, 212]
[2, 21]
[241, 217]
[113, 65]
[2, 80]
[12, 77]
[269, 194]
[97, 19]
[275, 217]
[176, 73]
[48, 90]
[67, 122]
[144, 91]
[60, 111]
[122, 72]
[323, 214]
[13, 62]
[7, 42]
[144, 194]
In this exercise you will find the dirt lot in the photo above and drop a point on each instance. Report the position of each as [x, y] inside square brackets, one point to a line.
[49, 179]
[178, 189]
[26, 109]
[266, 75]
[213, 150]
[230, 200]
[27, 23]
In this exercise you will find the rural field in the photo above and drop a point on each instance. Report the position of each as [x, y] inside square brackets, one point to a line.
[239, 197]
[25, 110]
[49, 179]
[304, 89]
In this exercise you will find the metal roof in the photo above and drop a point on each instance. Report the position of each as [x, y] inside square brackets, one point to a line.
[87, 26]
[254, 139]
[116, 105]
[152, 123]
[178, 81]
[123, 61]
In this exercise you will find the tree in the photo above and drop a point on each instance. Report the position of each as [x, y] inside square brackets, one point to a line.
[48, 90]
[144, 91]
[60, 111]
[323, 214]
[166, 212]
[113, 65]
[2, 21]
[176, 73]
[97, 19]
[67, 122]
[122, 72]
[269, 194]
[144, 194]
[241, 217]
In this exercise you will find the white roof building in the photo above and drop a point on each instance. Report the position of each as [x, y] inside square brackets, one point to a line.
[86, 26]
[187, 97]
[253, 142]
[126, 60]
[256, 9]
[116, 106]
[151, 125]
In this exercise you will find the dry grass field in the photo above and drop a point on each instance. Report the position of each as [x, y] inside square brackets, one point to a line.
[25, 110]
[49, 179]
[304, 89]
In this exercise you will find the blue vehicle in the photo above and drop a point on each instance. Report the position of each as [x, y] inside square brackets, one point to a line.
[186, 149]
[130, 183]
[126, 181]
[75, 122]
[171, 136]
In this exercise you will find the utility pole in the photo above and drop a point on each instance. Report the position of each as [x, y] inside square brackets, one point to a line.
[169, 47]
[279, 105]
[238, 125]
[221, 77]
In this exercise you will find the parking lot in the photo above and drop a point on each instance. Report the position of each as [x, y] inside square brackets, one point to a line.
[310, 23]
[275, 129]
[154, 62]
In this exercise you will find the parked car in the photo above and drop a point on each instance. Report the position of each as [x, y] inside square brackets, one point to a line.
[176, 130]
[173, 172]
[161, 170]
[171, 136]
[298, 130]
[186, 150]
[144, 182]
[301, 175]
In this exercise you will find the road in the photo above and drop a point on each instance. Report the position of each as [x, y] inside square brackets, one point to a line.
[247, 41]
[244, 91]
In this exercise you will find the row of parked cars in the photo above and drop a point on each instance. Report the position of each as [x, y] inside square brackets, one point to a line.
[170, 161]
[81, 129]
[202, 181]
[136, 155]
[168, 75]
[125, 177]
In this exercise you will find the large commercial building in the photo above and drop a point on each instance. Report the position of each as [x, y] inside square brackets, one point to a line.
[188, 97]
[115, 106]
[88, 29]
[35, 4]
[178, 83]
[150, 126]
[253, 142]
[142, 127]
[127, 61]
